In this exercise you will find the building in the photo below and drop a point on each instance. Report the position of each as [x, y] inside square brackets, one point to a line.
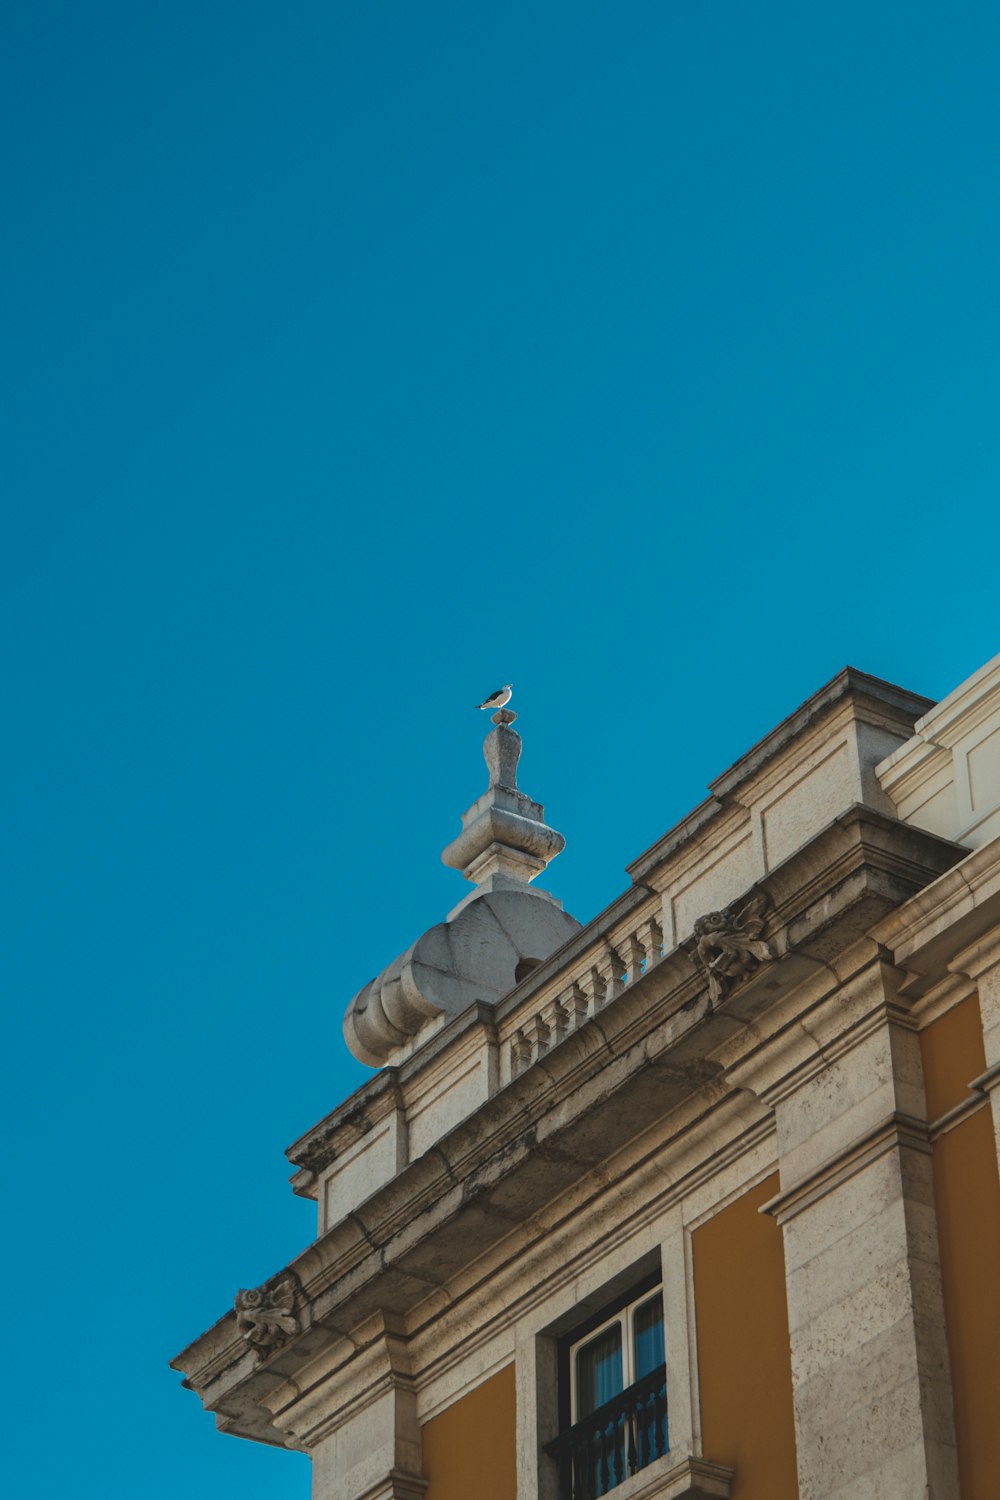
[700, 1199]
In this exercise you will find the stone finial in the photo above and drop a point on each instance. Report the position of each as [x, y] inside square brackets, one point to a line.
[505, 841]
[266, 1317]
[497, 934]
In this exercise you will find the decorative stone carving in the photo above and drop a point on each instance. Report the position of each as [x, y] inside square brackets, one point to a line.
[492, 938]
[729, 945]
[266, 1316]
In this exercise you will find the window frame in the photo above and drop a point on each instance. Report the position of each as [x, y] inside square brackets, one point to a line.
[581, 1332]
[624, 1319]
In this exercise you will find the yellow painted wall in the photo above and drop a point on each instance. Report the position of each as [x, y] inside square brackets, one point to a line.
[967, 1196]
[952, 1053]
[470, 1449]
[744, 1362]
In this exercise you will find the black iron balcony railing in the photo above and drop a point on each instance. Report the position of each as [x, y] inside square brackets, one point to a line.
[618, 1439]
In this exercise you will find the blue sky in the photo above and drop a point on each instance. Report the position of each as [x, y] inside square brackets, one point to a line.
[357, 359]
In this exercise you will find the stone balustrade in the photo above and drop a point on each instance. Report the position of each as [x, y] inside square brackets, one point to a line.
[607, 966]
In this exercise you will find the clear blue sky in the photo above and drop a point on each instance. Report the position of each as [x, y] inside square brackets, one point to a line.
[358, 358]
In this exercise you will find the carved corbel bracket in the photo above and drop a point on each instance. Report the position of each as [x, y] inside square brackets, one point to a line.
[728, 946]
[268, 1316]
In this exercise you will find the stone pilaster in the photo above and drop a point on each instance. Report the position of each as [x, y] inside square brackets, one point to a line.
[537, 1407]
[871, 1380]
[355, 1412]
[682, 1410]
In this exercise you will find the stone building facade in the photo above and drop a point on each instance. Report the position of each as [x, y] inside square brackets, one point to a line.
[699, 1199]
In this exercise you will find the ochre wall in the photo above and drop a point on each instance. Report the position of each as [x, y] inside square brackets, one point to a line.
[967, 1196]
[469, 1450]
[744, 1362]
[952, 1052]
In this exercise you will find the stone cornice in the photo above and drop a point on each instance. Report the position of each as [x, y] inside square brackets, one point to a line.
[344, 1126]
[948, 720]
[632, 1064]
[873, 698]
[930, 932]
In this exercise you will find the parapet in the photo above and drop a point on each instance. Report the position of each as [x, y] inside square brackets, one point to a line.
[477, 1001]
[946, 777]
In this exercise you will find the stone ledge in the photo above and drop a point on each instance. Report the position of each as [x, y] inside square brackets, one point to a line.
[988, 1081]
[896, 1130]
[397, 1485]
[668, 1478]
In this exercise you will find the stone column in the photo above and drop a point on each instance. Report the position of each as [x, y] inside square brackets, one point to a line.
[871, 1379]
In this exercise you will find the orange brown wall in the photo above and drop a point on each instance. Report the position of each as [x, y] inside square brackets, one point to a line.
[470, 1449]
[744, 1359]
[967, 1198]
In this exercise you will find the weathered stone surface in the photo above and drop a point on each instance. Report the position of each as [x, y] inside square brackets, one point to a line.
[473, 957]
[492, 938]
[532, 1150]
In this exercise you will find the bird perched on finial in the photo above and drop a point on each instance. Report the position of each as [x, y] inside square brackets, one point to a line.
[497, 699]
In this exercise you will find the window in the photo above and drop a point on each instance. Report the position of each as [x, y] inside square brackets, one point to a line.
[613, 1396]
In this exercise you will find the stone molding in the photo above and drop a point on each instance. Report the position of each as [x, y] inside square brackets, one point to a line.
[638, 1063]
[957, 1115]
[928, 933]
[936, 778]
[340, 1385]
[398, 1484]
[850, 698]
[667, 1479]
[561, 996]
[543, 1279]
[896, 1132]
[806, 1037]
[988, 1081]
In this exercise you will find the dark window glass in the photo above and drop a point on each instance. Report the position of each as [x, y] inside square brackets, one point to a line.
[599, 1371]
[647, 1333]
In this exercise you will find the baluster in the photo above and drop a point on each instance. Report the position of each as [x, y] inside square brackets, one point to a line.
[633, 953]
[607, 1460]
[648, 1428]
[576, 1473]
[557, 1021]
[537, 1034]
[660, 1413]
[573, 1005]
[591, 986]
[631, 1422]
[651, 938]
[649, 1422]
[612, 973]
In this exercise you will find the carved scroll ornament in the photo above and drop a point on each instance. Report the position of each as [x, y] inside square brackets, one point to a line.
[729, 945]
[266, 1317]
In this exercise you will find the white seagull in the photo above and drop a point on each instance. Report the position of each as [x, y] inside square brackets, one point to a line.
[497, 699]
